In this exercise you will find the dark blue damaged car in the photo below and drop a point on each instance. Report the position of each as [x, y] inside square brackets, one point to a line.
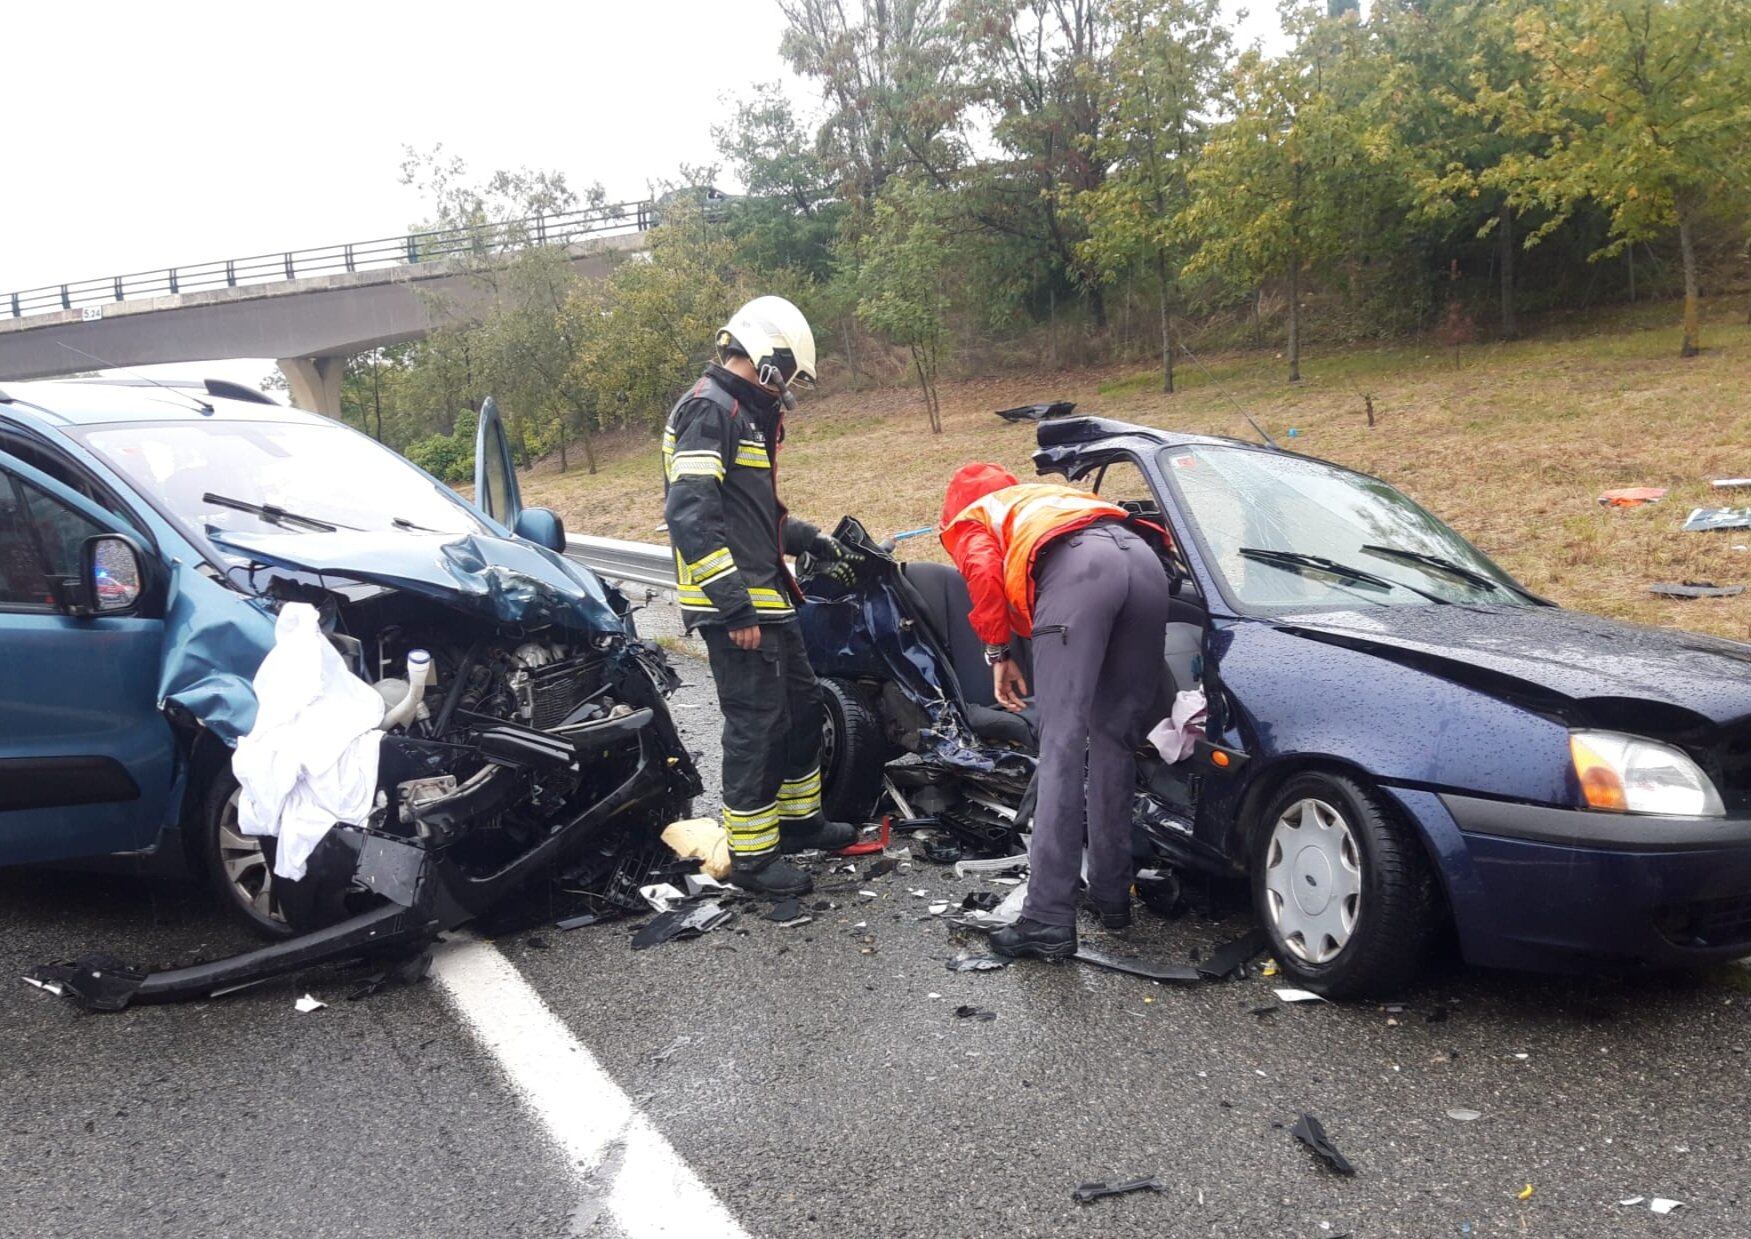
[148, 537]
[1402, 741]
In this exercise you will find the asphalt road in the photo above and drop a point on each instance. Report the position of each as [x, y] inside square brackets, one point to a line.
[818, 1080]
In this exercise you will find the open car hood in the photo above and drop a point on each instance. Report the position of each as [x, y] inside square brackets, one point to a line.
[505, 581]
[1550, 654]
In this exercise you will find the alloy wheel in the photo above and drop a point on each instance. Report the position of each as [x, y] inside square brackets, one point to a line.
[248, 870]
[1313, 880]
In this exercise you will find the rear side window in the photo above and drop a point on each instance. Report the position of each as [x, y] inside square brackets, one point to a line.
[22, 584]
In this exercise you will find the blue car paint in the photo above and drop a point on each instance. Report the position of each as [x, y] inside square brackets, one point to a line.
[201, 654]
[502, 580]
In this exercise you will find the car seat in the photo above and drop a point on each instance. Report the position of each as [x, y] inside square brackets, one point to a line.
[947, 605]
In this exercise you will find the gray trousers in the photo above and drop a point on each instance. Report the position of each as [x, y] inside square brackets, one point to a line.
[1101, 602]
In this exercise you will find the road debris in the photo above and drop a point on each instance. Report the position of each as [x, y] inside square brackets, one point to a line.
[966, 962]
[1730, 483]
[975, 1013]
[1132, 966]
[1299, 995]
[1632, 496]
[1460, 1115]
[307, 1004]
[1228, 958]
[1524, 1193]
[661, 896]
[702, 839]
[1707, 520]
[1094, 1191]
[788, 912]
[991, 867]
[683, 922]
[1311, 1132]
[1695, 589]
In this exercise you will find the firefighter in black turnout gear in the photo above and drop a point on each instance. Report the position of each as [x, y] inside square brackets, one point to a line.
[730, 535]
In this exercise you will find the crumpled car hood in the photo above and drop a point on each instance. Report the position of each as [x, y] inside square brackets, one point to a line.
[503, 580]
[1567, 653]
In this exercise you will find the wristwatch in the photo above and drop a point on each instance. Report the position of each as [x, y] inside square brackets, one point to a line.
[995, 654]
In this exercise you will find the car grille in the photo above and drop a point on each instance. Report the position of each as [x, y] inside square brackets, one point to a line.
[1721, 922]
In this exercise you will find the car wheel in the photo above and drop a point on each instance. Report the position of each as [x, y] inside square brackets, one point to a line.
[238, 867]
[853, 754]
[1342, 888]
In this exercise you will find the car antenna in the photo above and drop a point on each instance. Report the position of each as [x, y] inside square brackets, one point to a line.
[200, 404]
[1230, 398]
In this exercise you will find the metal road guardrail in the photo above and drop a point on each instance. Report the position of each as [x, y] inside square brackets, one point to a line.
[638, 563]
[400, 251]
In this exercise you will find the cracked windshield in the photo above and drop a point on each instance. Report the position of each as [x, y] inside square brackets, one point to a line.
[278, 477]
[1290, 534]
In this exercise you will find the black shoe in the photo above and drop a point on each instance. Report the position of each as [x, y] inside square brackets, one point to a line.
[1112, 916]
[1027, 937]
[768, 874]
[818, 834]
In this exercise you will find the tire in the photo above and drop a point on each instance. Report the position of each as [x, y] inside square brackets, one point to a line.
[1364, 909]
[853, 754]
[237, 868]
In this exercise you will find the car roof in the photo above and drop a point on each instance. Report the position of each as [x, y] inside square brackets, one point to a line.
[95, 402]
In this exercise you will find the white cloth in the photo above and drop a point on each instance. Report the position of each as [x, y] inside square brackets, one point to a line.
[311, 758]
[1175, 736]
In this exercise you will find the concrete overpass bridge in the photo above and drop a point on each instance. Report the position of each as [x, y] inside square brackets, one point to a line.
[309, 309]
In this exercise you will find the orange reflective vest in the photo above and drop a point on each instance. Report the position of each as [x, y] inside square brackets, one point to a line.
[996, 537]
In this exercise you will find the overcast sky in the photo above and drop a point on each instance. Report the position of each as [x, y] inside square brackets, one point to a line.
[141, 135]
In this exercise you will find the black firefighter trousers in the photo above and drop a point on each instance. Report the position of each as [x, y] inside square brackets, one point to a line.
[771, 706]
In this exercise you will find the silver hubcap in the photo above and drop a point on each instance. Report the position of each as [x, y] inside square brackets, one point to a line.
[246, 865]
[1313, 880]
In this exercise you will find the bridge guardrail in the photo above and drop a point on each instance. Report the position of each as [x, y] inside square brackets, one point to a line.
[408, 249]
[638, 563]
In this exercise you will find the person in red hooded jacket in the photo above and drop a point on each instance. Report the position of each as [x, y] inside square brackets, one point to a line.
[1076, 574]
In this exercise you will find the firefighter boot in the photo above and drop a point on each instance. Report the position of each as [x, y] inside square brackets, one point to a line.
[815, 832]
[769, 874]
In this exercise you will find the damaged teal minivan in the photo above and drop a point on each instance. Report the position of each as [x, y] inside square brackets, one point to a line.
[149, 534]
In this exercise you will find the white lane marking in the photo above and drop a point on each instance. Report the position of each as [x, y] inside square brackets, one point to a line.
[620, 1157]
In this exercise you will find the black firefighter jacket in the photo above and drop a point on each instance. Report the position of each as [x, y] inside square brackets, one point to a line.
[720, 485]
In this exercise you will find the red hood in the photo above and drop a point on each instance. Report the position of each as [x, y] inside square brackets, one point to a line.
[972, 483]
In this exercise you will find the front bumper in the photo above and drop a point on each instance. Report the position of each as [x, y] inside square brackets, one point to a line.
[1551, 888]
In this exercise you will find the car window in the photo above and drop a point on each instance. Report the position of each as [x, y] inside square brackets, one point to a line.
[495, 489]
[1288, 533]
[1122, 482]
[66, 474]
[60, 529]
[22, 584]
[320, 472]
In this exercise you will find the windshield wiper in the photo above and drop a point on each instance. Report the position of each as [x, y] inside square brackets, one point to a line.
[1435, 564]
[1298, 561]
[401, 522]
[272, 513]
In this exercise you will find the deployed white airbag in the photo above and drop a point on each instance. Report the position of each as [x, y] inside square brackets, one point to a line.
[310, 761]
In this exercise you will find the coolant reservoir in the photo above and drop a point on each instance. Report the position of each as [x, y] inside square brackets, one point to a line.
[402, 711]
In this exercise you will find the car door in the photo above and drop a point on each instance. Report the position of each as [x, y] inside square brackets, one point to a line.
[495, 473]
[87, 761]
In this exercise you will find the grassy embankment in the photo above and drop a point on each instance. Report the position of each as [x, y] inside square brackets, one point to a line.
[1511, 444]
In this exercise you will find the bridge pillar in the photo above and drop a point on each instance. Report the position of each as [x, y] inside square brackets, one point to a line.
[315, 382]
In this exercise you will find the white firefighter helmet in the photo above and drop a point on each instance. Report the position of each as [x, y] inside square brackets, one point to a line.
[776, 337]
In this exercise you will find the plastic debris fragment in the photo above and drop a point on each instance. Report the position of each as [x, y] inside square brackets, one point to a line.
[1695, 589]
[1230, 956]
[1311, 1132]
[975, 1013]
[1461, 1115]
[1662, 1206]
[688, 922]
[978, 963]
[307, 1004]
[1299, 995]
[1524, 1193]
[1147, 969]
[1094, 1191]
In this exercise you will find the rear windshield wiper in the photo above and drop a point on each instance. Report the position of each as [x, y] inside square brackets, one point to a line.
[1435, 564]
[1298, 561]
[272, 513]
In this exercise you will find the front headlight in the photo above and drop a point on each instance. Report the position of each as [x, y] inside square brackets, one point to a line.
[1628, 774]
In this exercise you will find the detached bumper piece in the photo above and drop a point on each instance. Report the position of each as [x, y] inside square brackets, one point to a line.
[416, 887]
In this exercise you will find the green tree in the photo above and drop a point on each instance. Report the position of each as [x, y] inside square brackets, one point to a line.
[903, 283]
[1283, 185]
[1643, 106]
[1167, 69]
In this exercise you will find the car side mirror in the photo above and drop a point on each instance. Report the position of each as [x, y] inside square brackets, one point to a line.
[543, 527]
[112, 573]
